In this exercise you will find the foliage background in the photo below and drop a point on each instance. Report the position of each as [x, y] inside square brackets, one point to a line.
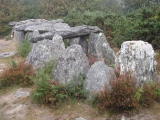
[121, 20]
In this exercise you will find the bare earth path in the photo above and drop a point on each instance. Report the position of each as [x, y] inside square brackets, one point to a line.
[17, 105]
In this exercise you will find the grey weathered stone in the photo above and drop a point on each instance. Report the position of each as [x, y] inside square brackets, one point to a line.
[19, 36]
[21, 93]
[98, 76]
[7, 54]
[73, 41]
[84, 44]
[29, 35]
[48, 27]
[71, 63]
[137, 57]
[45, 51]
[73, 32]
[99, 48]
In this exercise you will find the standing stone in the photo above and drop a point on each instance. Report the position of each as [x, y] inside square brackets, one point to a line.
[98, 76]
[19, 36]
[137, 57]
[84, 44]
[99, 49]
[72, 63]
[45, 51]
[74, 41]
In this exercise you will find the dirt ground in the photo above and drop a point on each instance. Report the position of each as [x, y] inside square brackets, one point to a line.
[21, 108]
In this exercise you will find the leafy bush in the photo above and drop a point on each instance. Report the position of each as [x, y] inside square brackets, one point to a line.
[155, 87]
[142, 24]
[121, 97]
[147, 96]
[49, 68]
[17, 74]
[8, 37]
[42, 86]
[51, 92]
[24, 48]
[157, 57]
[123, 93]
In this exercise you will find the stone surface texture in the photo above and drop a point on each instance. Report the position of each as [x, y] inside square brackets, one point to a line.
[71, 63]
[46, 51]
[69, 33]
[74, 41]
[19, 36]
[99, 49]
[98, 76]
[7, 54]
[138, 58]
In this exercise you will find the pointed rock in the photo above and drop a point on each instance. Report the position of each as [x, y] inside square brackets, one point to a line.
[45, 51]
[71, 63]
[99, 49]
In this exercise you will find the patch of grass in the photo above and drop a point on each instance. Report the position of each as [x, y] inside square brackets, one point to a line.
[8, 37]
[8, 89]
[24, 48]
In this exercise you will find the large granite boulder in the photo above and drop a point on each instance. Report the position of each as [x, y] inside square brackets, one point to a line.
[45, 51]
[22, 25]
[68, 33]
[99, 49]
[73, 41]
[138, 58]
[29, 35]
[19, 36]
[71, 63]
[98, 76]
[19, 32]
[48, 27]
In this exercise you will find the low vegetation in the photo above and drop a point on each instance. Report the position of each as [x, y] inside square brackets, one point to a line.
[24, 48]
[17, 74]
[52, 92]
[126, 96]
[123, 95]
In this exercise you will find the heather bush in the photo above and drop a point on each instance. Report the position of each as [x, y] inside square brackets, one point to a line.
[157, 57]
[147, 96]
[17, 74]
[123, 93]
[121, 97]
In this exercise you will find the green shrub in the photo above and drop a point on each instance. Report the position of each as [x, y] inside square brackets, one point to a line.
[17, 74]
[51, 92]
[42, 86]
[155, 87]
[8, 37]
[24, 48]
[49, 68]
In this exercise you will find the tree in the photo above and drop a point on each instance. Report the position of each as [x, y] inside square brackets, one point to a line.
[10, 10]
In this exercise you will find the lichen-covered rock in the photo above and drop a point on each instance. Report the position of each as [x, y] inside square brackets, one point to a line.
[19, 36]
[45, 51]
[29, 35]
[137, 57]
[98, 76]
[99, 49]
[71, 63]
[73, 41]
[67, 32]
